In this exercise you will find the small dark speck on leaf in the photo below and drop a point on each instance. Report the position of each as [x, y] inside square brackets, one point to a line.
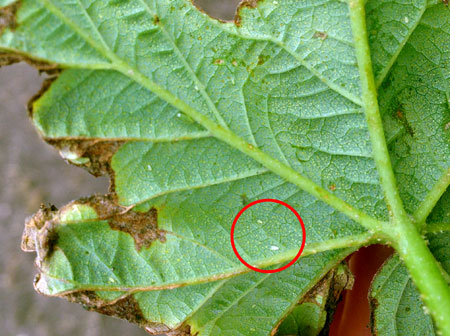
[400, 116]
[156, 19]
[332, 187]
[262, 59]
[321, 35]
[244, 199]
[218, 61]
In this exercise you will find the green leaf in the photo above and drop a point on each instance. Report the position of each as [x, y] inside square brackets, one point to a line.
[396, 303]
[314, 313]
[415, 103]
[193, 118]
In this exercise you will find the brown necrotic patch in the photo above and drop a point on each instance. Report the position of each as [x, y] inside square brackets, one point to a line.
[142, 226]
[321, 35]
[244, 4]
[126, 308]
[8, 16]
[39, 234]
[98, 152]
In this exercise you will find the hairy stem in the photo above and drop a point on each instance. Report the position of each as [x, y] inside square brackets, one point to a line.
[436, 227]
[426, 274]
[412, 248]
[370, 101]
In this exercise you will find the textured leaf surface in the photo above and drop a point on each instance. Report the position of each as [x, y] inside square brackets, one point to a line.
[396, 303]
[147, 86]
[415, 100]
[397, 307]
[314, 313]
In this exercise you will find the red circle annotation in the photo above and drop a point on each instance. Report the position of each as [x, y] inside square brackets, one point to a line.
[264, 200]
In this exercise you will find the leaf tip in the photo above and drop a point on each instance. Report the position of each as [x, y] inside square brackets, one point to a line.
[8, 16]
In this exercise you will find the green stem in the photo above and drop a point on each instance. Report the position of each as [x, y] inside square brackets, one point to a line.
[426, 274]
[370, 101]
[431, 199]
[412, 248]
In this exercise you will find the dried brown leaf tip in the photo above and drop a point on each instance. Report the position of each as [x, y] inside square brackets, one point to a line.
[126, 308]
[94, 155]
[143, 227]
[39, 234]
[8, 16]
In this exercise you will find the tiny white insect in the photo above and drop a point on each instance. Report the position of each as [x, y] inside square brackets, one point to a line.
[406, 19]
[149, 167]
[274, 248]
[178, 115]
[259, 221]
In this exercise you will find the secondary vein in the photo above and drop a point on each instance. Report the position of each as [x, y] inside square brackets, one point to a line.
[433, 196]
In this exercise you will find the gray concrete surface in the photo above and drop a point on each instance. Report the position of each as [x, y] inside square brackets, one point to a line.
[31, 173]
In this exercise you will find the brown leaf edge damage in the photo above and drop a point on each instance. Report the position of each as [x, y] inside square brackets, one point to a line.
[200, 9]
[41, 236]
[98, 153]
[237, 17]
[330, 287]
[343, 279]
[8, 16]
[244, 4]
[126, 308]
[373, 301]
[41, 230]
[143, 227]
[8, 58]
